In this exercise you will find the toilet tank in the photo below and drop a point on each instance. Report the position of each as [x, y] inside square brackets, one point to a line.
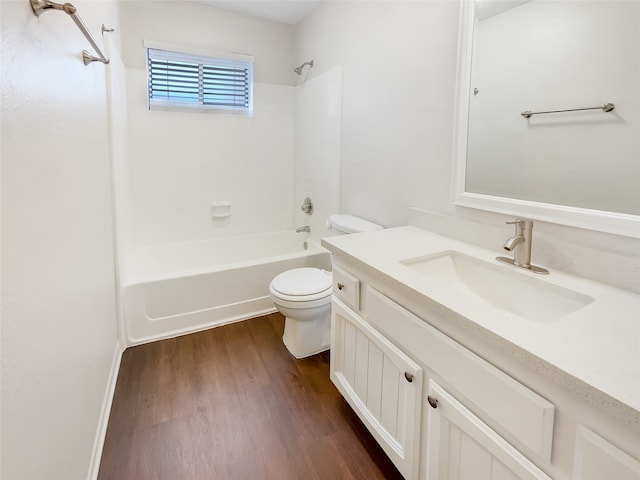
[350, 224]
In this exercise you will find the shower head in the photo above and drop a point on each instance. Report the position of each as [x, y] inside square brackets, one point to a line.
[298, 70]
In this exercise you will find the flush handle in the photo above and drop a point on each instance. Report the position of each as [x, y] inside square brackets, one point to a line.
[340, 286]
[408, 376]
[432, 401]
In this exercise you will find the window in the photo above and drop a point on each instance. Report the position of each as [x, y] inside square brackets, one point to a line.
[193, 81]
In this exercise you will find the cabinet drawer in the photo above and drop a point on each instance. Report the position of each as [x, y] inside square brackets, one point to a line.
[522, 416]
[346, 287]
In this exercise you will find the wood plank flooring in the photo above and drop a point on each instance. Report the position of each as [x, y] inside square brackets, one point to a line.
[233, 403]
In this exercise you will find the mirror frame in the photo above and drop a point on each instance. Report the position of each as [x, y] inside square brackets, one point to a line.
[598, 220]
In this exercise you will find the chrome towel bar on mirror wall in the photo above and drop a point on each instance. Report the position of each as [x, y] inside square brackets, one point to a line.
[40, 6]
[607, 107]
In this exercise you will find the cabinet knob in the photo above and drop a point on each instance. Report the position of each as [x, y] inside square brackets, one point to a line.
[408, 376]
[432, 401]
[340, 286]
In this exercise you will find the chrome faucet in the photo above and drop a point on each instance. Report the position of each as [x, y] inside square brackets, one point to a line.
[306, 228]
[520, 245]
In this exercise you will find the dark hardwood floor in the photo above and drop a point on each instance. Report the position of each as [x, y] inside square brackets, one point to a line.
[232, 403]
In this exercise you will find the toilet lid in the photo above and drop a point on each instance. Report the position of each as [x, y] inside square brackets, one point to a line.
[302, 281]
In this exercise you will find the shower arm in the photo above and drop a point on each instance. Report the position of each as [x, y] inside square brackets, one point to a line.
[298, 70]
[41, 6]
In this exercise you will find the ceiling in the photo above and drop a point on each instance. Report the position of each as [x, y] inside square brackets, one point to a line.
[490, 8]
[283, 11]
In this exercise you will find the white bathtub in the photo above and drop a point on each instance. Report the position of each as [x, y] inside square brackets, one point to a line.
[176, 289]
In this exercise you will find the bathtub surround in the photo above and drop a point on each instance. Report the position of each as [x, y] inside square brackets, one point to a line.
[120, 178]
[181, 162]
[318, 123]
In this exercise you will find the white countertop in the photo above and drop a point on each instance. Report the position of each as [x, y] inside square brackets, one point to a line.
[599, 344]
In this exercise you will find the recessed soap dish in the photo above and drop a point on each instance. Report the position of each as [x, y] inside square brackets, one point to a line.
[221, 209]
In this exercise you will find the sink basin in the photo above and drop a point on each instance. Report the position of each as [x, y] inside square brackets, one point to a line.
[499, 286]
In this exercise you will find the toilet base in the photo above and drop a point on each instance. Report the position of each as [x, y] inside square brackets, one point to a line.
[304, 338]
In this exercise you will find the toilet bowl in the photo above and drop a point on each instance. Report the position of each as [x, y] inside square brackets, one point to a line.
[303, 296]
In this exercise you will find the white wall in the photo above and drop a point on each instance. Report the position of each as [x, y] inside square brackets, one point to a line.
[398, 63]
[200, 26]
[398, 75]
[181, 162]
[59, 335]
[554, 55]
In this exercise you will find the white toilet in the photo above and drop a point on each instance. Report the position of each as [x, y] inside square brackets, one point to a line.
[303, 296]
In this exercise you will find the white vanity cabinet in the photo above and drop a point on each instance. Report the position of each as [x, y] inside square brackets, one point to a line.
[514, 397]
[388, 389]
[458, 444]
[382, 385]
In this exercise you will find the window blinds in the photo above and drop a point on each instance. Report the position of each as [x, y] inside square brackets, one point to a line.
[183, 80]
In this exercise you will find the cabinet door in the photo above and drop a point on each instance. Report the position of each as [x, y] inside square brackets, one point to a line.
[596, 458]
[382, 385]
[460, 446]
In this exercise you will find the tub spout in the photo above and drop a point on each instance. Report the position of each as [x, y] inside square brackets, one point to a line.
[306, 228]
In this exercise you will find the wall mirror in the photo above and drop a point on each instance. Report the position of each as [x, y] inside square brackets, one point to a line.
[579, 168]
